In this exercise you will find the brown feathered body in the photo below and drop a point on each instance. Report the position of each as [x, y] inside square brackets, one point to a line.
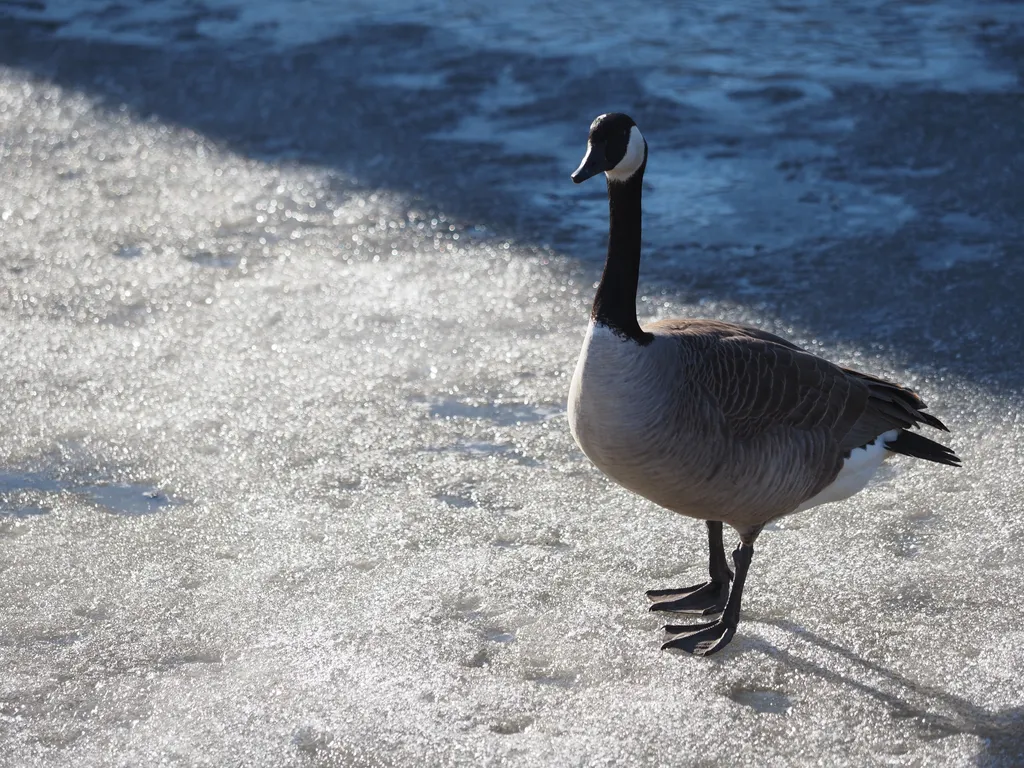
[720, 421]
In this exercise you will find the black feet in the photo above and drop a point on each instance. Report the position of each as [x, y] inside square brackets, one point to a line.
[700, 639]
[705, 599]
[709, 638]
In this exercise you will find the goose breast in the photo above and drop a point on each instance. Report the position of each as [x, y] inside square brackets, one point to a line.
[643, 419]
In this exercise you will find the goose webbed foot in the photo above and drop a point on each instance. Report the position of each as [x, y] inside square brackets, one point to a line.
[713, 636]
[700, 639]
[705, 599]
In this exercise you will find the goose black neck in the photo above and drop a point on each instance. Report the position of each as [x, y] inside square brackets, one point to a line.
[615, 301]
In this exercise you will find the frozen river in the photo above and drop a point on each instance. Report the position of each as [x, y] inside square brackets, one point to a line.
[290, 294]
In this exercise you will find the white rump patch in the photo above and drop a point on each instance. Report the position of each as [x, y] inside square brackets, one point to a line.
[636, 150]
[856, 472]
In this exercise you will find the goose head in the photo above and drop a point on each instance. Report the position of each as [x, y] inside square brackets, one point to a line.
[615, 147]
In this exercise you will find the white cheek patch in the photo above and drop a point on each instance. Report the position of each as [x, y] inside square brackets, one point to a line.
[636, 149]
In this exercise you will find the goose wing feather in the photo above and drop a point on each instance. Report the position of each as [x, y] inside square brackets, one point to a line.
[761, 382]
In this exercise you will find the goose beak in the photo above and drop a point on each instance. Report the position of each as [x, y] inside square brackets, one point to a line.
[594, 162]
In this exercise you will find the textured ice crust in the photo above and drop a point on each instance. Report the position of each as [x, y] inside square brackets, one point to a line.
[285, 479]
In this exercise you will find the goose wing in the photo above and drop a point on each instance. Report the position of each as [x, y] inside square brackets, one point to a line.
[716, 329]
[761, 382]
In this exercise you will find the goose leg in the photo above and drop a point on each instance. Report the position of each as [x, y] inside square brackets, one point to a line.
[709, 638]
[706, 598]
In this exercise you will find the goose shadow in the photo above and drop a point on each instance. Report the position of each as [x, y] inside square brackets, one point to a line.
[488, 134]
[935, 713]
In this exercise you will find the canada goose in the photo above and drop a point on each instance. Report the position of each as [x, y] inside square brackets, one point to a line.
[721, 422]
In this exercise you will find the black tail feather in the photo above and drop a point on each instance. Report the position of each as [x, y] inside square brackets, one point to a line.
[913, 444]
[931, 421]
[902, 404]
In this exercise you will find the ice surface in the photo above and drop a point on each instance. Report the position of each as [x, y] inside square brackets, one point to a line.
[284, 472]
